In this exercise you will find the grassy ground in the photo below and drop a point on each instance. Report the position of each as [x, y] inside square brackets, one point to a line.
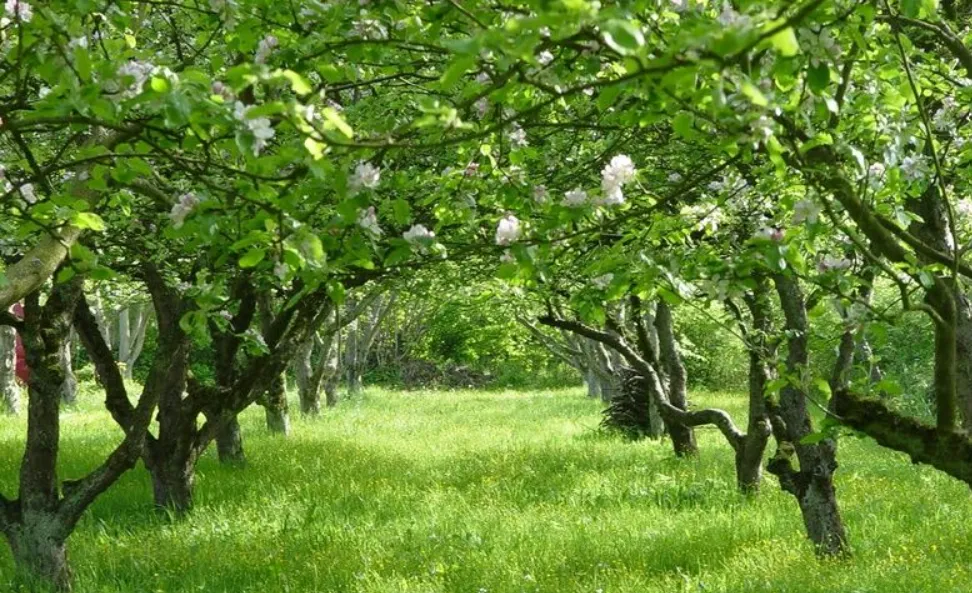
[479, 492]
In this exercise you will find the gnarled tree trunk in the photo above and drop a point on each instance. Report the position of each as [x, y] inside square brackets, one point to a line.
[69, 388]
[813, 483]
[9, 389]
[683, 436]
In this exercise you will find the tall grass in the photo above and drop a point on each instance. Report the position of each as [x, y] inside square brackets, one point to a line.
[498, 492]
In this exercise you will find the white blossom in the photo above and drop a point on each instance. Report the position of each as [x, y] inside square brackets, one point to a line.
[507, 257]
[829, 263]
[260, 127]
[370, 29]
[805, 211]
[418, 234]
[368, 220]
[575, 198]
[545, 57]
[187, 202]
[964, 208]
[81, 42]
[18, 9]
[518, 136]
[365, 175]
[222, 90]
[508, 230]
[138, 72]
[769, 233]
[481, 107]
[675, 177]
[43, 92]
[604, 281]
[27, 191]
[540, 194]
[710, 217]
[914, 167]
[482, 78]
[265, 48]
[471, 169]
[762, 128]
[280, 270]
[614, 176]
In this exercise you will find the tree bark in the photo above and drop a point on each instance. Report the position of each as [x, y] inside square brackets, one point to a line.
[69, 388]
[40, 554]
[308, 390]
[813, 483]
[229, 443]
[275, 404]
[9, 389]
[682, 435]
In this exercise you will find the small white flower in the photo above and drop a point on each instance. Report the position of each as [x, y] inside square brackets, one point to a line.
[265, 48]
[575, 198]
[540, 194]
[368, 220]
[138, 72]
[508, 230]
[830, 263]
[187, 202]
[805, 211]
[280, 270]
[769, 233]
[914, 167]
[507, 257]
[18, 9]
[27, 191]
[518, 136]
[471, 169]
[370, 29]
[260, 127]
[675, 177]
[81, 42]
[545, 57]
[220, 89]
[482, 78]
[964, 208]
[43, 92]
[604, 281]
[481, 107]
[365, 175]
[418, 234]
[612, 196]
[762, 128]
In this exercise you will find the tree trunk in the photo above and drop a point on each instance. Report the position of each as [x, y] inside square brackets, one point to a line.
[331, 395]
[813, 483]
[40, 553]
[124, 341]
[229, 443]
[308, 390]
[69, 388]
[9, 389]
[275, 403]
[172, 485]
[683, 437]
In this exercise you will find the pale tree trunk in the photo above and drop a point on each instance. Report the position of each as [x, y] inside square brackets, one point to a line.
[97, 308]
[361, 337]
[229, 443]
[9, 389]
[308, 392]
[813, 483]
[683, 437]
[69, 389]
[275, 399]
[131, 336]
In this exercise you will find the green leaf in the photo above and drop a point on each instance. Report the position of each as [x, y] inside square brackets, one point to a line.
[818, 76]
[88, 220]
[683, 124]
[160, 84]
[755, 95]
[822, 385]
[64, 275]
[623, 36]
[298, 83]
[456, 70]
[335, 119]
[252, 258]
[315, 148]
[786, 43]
[814, 437]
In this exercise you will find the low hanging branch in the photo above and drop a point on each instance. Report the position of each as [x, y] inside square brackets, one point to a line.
[715, 417]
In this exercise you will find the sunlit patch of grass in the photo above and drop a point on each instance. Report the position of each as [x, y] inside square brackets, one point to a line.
[497, 492]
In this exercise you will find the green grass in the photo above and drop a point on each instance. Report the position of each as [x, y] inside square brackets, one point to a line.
[497, 492]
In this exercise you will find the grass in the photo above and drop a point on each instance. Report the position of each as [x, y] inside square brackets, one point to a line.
[509, 492]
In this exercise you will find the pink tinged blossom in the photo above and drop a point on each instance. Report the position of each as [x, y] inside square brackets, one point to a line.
[471, 169]
[418, 234]
[259, 127]
[368, 220]
[508, 230]
[481, 107]
[618, 172]
[365, 175]
[18, 9]
[575, 198]
[265, 48]
[187, 202]
[769, 233]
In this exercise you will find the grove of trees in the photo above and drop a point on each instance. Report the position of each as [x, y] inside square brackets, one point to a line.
[206, 200]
